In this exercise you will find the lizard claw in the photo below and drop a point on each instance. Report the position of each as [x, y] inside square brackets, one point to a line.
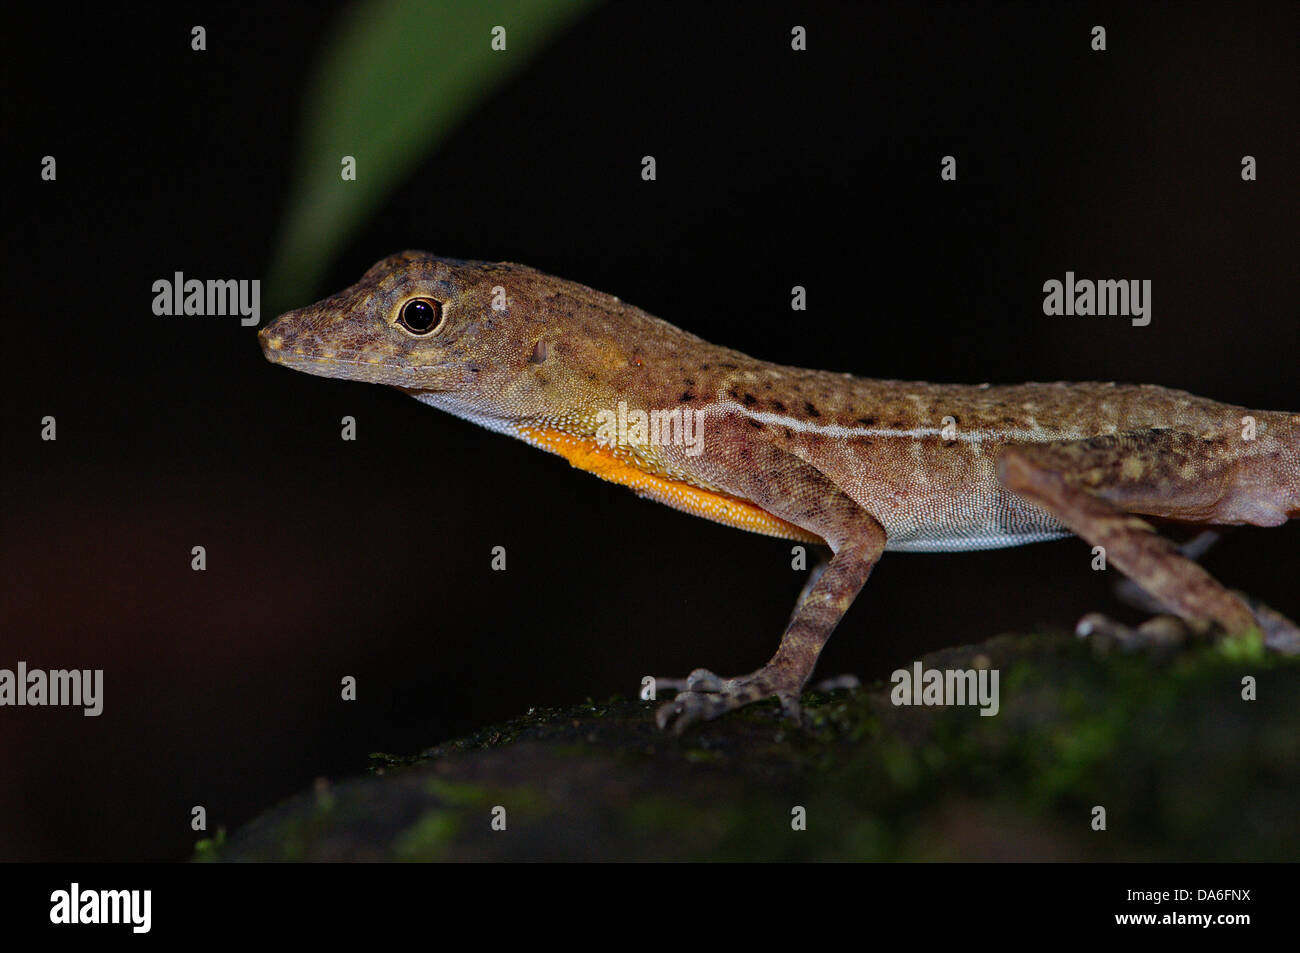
[687, 709]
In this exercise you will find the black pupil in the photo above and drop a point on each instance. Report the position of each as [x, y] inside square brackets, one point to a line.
[419, 316]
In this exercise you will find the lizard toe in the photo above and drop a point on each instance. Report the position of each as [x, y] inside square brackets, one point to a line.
[838, 683]
[707, 696]
[700, 680]
[690, 708]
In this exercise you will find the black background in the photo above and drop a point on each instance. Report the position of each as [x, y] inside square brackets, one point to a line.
[371, 558]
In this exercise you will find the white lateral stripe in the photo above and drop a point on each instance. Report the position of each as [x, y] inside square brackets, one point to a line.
[839, 430]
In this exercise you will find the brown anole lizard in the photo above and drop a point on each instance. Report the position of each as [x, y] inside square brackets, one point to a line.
[856, 464]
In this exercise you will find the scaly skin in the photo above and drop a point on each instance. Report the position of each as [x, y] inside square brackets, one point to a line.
[860, 465]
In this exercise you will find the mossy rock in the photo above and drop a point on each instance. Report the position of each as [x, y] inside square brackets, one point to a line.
[1185, 768]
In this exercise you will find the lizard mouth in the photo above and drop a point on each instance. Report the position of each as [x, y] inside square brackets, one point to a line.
[354, 365]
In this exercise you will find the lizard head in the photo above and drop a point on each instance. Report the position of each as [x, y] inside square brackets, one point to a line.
[413, 321]
[477, 338]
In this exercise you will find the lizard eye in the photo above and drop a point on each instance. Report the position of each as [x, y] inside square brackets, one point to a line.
[421, 315]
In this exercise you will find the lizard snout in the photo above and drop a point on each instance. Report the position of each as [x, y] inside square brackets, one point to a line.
[270, 343]
[281, 336]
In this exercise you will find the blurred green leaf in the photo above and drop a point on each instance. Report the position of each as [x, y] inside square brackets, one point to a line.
[393, 81]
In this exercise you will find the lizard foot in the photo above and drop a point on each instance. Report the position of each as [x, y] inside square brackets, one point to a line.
[1166, 632]
[1163, 633]
[1280, 633]
[703, 695]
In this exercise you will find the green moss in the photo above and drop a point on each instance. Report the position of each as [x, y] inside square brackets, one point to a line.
[1247, 648]
[209, 848]
[524, 800]
[429, 838]
[700, 756]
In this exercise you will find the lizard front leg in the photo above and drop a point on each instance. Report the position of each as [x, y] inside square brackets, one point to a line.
[784, 676]
[806, 497]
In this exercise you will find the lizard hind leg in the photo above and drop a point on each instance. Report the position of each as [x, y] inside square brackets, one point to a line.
[1162, 630]
[1095, 487]
[1161, 633]
[1131, 594]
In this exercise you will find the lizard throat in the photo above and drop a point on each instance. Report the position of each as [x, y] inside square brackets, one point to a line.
[586, 454]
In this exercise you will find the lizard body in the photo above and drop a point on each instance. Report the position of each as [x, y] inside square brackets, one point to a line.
[861, 465]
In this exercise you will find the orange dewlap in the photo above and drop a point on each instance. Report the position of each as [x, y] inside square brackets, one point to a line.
[586, 454]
